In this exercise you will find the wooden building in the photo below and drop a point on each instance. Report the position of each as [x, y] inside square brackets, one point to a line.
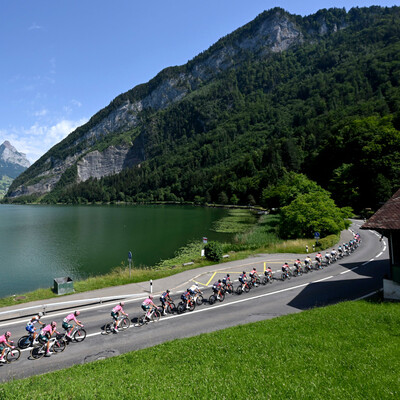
[386, 221]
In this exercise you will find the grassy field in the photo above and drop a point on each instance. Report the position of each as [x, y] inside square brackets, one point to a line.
[259, 236]
[347, 351]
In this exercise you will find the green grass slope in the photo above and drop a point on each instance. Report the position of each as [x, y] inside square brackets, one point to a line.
[346, 351]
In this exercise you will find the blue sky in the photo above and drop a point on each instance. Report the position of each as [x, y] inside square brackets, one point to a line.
[61, 62]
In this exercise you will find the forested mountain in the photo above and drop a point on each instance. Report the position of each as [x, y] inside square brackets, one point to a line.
[318, 95]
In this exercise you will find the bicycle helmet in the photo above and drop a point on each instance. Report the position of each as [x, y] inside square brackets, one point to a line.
[40, 315]
[228, 275]
[244, 272]
[167, 290]
[77, 313]
[8, 334]
[151, 297]
[54, 324]
[122, 304]
[219, 281]
[196, 284]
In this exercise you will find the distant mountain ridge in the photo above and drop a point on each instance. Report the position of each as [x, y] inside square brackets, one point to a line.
[12, 164]
[267, 98]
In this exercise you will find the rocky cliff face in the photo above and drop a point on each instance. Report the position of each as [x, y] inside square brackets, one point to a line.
[12, 162]
[273, 32]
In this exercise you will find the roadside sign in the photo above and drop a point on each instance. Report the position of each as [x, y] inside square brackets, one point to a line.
[130, 256]
[205, 240]
[316, 235]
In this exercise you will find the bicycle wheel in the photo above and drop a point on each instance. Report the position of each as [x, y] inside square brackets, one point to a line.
[258, 281]
[171, 308]
[247, 288]
[59, 346]
[38, 352]
[13, 355]
[192, 306]
[199, 300]
[79, 335]
[222, 297]
[141, 320]
[109, 328]
[239, 290]
[124, 324]
[181, 307]
[155, 316]
[211, 299]
[24, 342]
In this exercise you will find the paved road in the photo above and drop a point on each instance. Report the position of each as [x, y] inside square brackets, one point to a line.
[355, 276]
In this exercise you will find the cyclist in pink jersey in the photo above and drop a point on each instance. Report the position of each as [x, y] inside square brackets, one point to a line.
[148, 305]
[115, 313]
[46, 333]
[5, 342]
[67, 323]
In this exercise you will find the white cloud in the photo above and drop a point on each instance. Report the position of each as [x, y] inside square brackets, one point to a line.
[40, 113]
[35, 27]
[38, 139]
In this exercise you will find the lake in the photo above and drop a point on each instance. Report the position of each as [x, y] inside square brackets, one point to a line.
[40, 243]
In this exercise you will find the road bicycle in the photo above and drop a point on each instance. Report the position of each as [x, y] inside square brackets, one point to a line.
[57, 345]
[12, 354]
[198, 298]
[214, 297]
[267, 278]
[286, 275]
[78, 335]
[254, 282]
[123, 324]
[154, 316]
[186, 305]
[26, 341]
[170, 307]
[228, 287]
[297, 271]
[243, 287]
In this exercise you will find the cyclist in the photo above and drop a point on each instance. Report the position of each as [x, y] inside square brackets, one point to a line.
[148, 306]
[286, 268]
[333, 255]
[67, 323]
[164, 298]
[307, 262]
[115, 313]
[327, 258]
[30, 326]
[227, 283]
[268, 273]
[217, 287]
[243, 279]
[186, 296]
[318, 258]
[45, 335]
[5, 342]
[253, 275]
[340, 251]
[297, 265]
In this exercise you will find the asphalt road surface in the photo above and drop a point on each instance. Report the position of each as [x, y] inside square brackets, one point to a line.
[353, 277]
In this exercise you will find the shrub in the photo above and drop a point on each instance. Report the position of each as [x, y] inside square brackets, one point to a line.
[213, 251]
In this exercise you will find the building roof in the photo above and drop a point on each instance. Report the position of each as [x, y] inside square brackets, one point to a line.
[387, 217]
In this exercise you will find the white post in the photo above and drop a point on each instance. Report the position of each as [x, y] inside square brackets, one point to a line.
[151, 286]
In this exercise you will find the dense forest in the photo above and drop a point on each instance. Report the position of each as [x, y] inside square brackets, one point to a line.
[329, 108]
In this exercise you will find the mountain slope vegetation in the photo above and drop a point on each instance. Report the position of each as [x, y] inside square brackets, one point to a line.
[327, 105]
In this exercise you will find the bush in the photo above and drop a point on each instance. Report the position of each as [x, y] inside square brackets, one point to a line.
[213, 251]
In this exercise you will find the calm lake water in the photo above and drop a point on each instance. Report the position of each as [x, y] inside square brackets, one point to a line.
[40, 243]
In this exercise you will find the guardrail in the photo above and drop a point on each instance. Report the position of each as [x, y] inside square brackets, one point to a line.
[20, 312]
